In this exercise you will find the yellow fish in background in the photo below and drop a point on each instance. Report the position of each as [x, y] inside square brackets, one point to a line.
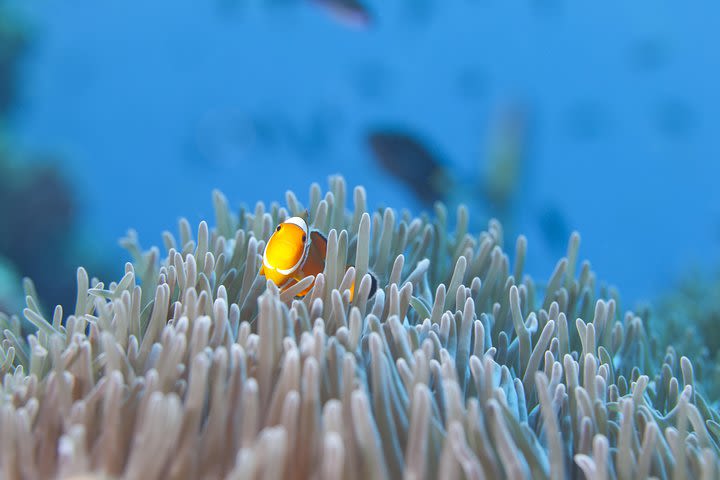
[294, 252]
[508, 149]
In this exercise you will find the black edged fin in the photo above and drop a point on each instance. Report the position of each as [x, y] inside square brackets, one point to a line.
[373, 285]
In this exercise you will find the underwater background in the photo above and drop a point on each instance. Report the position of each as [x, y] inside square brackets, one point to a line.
[457, 165]
[551, 115]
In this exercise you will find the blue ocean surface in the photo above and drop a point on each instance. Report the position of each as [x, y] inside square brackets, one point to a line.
[151, 105]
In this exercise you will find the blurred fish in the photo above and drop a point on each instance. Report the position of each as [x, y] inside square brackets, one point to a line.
[554, 227]
[401, 154]
[352, 13]
[37, 216]
[268, 128]
[227, 137]
[587, 121]
[649, 54]
[314, 137]
[409, 160]
[508, 146]
[675, 119]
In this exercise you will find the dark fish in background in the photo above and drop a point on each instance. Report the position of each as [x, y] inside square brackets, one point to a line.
[313, 138]
[587, 121]
[675, 119]
[553, 227]
[405, 157]
[352, 13]
[37, 214]
[649, 54]
[39, 229]
[227, 137]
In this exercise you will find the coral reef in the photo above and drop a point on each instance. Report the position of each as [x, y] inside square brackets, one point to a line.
[192, 366]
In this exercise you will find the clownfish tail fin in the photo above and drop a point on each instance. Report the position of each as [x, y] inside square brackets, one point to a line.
[373, 284]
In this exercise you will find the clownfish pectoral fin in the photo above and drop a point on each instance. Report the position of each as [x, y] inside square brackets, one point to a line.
[262, 270]
[294, 280]
[289, 283]
[298, 275]
[306, 291]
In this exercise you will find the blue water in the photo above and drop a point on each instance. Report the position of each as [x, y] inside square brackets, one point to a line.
[153, 104]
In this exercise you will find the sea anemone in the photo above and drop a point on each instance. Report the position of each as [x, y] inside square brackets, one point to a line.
[460, 366]
[687, 316]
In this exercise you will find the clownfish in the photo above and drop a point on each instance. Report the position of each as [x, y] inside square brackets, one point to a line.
[294, 252]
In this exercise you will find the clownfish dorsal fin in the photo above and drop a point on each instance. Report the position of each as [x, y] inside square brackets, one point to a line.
[305, 216]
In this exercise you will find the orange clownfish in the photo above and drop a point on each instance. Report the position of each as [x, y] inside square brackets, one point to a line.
[294, 252]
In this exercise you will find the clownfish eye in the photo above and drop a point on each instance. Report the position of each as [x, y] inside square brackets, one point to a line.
[278, 228]
[304, 238]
